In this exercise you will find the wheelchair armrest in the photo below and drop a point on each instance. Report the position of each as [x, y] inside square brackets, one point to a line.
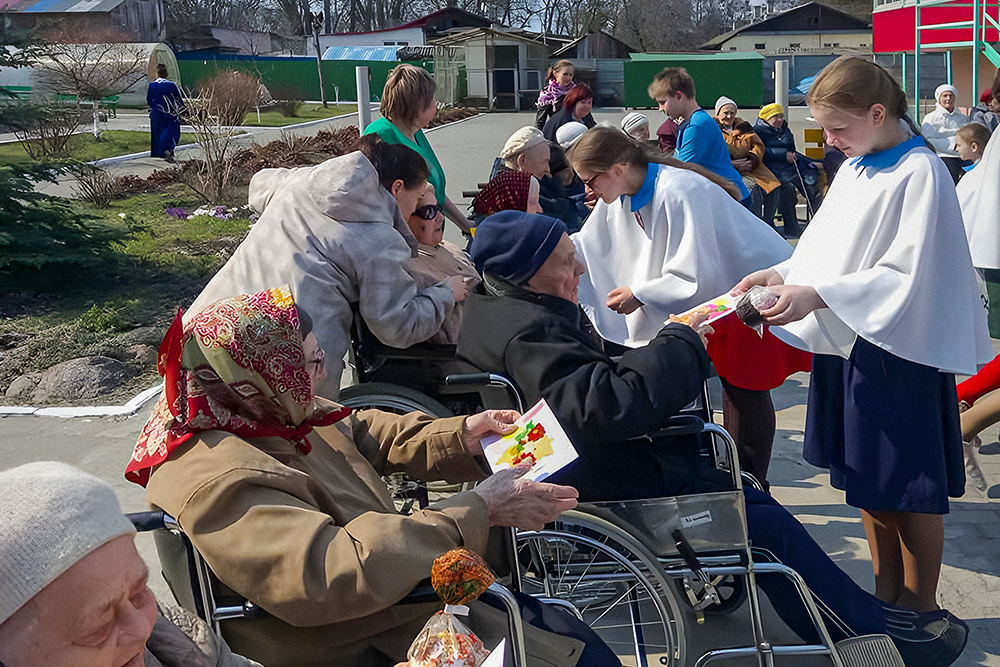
[677, 425]
[423, 593]
[146, 521]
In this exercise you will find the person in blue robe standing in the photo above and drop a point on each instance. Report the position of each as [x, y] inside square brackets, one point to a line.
[164, 100]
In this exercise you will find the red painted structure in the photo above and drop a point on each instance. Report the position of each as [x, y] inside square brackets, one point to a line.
[893, 30]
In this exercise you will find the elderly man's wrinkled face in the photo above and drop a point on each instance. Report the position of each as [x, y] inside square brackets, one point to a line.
[560, 274]
[535, 160]
[428, 231]
[98, 613]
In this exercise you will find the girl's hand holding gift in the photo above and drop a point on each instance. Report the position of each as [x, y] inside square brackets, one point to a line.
[764, 278]
[794, 303]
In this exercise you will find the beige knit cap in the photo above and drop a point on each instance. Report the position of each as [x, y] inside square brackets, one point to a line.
[51, 516]
[522, 140]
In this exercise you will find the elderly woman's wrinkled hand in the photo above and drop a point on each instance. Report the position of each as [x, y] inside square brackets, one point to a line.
[485, 423]
[460, 287]
[522, 503]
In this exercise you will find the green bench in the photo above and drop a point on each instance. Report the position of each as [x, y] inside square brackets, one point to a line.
[110, 103]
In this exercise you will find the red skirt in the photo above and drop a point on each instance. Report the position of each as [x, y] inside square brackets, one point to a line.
[750, 362]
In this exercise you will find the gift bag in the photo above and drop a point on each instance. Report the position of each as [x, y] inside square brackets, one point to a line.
[458, 576]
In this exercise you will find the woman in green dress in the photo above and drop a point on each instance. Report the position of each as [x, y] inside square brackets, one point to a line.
[408, 107]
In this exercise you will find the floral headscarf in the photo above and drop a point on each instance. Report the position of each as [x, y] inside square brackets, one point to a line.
[507, 191]
[237, 367]
[553, 93]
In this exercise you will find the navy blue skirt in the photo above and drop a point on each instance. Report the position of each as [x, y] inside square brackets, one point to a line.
[887, 429]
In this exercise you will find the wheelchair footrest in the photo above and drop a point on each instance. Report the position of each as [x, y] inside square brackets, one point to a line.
[869, 651]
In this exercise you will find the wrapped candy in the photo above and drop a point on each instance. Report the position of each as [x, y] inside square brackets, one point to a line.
[458, 576]
[751, 303]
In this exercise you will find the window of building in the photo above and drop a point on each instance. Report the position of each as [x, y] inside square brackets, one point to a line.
[795, 45]
[391, 43]
[813, 20]
[732, 48]
[759, 46]
[832, 45]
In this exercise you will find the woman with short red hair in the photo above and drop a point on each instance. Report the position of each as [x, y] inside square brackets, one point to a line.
[576, 108]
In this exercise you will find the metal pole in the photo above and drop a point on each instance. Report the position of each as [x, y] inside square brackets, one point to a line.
[916, 63]
[781, 83]
[975, 53]
[317, 22]
[364, 98]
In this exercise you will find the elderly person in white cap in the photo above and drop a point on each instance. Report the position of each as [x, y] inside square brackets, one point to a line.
[569, 134]
[526, 150]
[72, 585]
[636, 125]
[746, 152]
[939, 127]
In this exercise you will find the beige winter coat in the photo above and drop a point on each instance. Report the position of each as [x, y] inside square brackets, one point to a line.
[335, 236]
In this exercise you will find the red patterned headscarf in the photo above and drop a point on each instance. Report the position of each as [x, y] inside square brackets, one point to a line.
[238, 367]
[507, 191]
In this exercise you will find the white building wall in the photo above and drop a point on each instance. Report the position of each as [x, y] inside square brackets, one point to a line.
[412, 37]
[795, 41]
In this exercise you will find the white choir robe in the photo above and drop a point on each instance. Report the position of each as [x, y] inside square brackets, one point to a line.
[696, 244]
[979, 197]
[888, 255]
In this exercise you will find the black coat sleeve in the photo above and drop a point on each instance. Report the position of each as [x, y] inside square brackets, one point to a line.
[598, 401]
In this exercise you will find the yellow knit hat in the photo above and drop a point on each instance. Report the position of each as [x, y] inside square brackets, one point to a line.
[770, 111]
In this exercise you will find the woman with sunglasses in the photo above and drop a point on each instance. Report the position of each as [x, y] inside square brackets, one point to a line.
[438, 260]
[336, 234]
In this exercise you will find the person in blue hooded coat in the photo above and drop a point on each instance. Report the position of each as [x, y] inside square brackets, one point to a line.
[164, 100]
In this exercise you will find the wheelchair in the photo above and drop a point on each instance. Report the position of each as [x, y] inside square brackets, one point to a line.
[636, 571]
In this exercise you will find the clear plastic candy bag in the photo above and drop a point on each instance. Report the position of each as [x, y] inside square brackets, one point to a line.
[750, 304]
[446, 642]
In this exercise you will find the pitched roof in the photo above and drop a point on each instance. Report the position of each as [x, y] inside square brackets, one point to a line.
[834, 20]
[422, 22]
[59, 6]
[568, 47]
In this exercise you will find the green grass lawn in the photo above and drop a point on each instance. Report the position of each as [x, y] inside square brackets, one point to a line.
[307, 113]
[84, 148]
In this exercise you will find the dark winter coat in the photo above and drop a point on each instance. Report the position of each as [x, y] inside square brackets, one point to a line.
[562, 117]
[550, 349]
[777, 144]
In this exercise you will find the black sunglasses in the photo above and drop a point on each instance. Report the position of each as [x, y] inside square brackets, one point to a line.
[428, 212]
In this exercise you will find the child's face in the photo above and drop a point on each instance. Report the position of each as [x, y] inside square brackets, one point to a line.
[967, 150]
[853, 134]
[564, 76]
[673, 105]
[429, 232]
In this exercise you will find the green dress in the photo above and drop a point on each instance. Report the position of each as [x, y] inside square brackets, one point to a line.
[391, 135]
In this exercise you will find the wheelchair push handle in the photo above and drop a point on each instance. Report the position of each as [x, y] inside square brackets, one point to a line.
[468, 378]
[146, 521]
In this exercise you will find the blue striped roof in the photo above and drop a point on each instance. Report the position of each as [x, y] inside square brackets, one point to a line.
[383, 53]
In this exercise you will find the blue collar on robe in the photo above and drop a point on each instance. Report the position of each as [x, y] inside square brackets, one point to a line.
[970, 167]
[645, 193]
[888, 157]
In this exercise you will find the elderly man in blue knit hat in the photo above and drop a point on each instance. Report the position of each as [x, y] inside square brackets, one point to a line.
[525, 321]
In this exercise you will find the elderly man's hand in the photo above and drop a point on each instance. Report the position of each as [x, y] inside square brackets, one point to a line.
[522, 503]
[485, 423]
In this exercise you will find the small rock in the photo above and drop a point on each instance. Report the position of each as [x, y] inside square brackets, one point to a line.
[11, 339]
[22, 386]
[144, 355]
[85, 377]
[144, 336]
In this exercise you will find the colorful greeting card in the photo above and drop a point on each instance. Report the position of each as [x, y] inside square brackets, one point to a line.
[538, 440]
[716, 309]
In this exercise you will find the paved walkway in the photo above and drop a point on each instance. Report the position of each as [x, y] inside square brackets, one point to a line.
[970, 583]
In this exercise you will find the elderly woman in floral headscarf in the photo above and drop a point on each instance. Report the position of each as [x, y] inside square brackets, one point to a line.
[282, 492]
[509, 190]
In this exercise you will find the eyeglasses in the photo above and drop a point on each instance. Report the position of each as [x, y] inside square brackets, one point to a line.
[428, 212]
[317, 361]
[590, 181]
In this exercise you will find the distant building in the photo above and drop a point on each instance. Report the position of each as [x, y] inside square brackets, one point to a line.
[600, 63]
[93, 21]
[217, 40]
[417, 32]
[808, 27]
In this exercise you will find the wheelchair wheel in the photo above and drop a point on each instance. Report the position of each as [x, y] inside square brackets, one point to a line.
[391, 398]
[612, 580]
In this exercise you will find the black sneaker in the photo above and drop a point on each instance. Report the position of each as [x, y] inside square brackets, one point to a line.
[927, 639]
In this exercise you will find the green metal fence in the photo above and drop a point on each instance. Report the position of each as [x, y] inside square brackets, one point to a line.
[298, 73]
[736, 75]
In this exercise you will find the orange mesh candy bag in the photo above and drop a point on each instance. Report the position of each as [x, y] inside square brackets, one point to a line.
[458, 576]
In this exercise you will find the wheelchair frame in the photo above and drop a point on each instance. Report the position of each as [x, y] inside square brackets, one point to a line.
[685, 567]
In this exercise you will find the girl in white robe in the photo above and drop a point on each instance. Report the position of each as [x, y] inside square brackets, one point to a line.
[663, 239]
[882, 290]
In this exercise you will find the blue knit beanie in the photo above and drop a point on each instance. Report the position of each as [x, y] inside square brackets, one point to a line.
[513, 245]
